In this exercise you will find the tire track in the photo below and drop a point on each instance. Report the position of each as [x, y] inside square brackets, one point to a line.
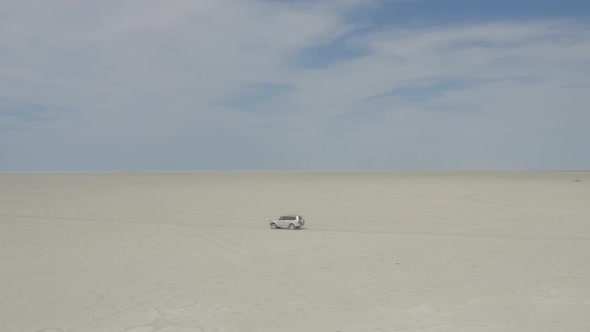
[221, 241]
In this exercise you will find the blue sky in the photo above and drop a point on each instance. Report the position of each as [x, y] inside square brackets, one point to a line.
[294, 85]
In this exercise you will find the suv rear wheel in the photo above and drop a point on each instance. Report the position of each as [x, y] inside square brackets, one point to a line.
[291, 226]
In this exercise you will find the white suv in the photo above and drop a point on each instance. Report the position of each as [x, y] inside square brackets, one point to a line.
[290, 221]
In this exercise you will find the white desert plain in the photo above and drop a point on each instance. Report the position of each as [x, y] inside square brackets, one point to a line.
[381, 251]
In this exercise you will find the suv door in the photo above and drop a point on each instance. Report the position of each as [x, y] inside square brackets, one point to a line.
[288, 220]
[283, 222]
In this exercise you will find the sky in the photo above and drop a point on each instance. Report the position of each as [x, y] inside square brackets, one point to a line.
[216, 85]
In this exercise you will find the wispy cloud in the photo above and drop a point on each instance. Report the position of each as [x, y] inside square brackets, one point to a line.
[255, 95]
[242, 85]
[425, 92]
[23, 111]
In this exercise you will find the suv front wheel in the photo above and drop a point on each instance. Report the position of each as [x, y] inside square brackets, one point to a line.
[273, 226]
